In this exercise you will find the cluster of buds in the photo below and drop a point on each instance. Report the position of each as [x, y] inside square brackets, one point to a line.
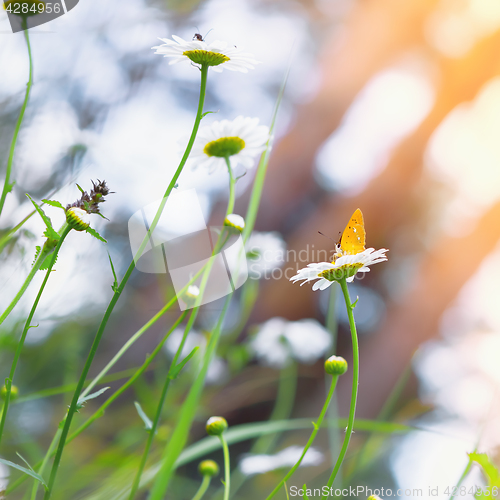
[77, 213]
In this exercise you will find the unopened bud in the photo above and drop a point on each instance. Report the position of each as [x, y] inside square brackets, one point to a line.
[208, 468]
[235, 221]
[335, 365]
[77, 218]
[14, 392]
[216, 426]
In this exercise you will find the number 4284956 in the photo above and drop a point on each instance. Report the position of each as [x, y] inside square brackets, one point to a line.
[33, 8]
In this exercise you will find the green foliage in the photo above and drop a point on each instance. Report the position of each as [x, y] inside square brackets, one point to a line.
[148, 423]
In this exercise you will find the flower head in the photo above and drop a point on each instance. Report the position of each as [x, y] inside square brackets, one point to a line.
[208, 468]
[235, 221]
[343, 267]
[279, 341]
[217, 54]
[240, 140]
[215, 426]
[335, 365]
[90, 201]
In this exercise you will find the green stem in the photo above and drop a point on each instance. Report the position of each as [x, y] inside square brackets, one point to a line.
[192, 319]
[159, 408]
[45, 461]
[462, 478]
[355, 383]
[230, 205]
[7, 187]
[121, 286]
[27, 326]
[317, 426]
[227, 467]
[100, 411]
[203, 487]
[186, 415]
[34, 268]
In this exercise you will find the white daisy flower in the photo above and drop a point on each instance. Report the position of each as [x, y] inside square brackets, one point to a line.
[219, 55]
[345, 266]
[259, 464]
[241, 140]
[279, 341]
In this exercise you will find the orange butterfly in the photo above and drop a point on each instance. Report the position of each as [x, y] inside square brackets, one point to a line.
[353, 238]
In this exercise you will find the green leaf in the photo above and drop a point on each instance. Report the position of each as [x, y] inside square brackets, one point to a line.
[489, 469]
[51, 232]
[81, 190]
[95, 234]
[29, 471]
[48, 261]
[94, 395]
[114, 286]
[37, 254]
[208, 113]
[305, 497]
[148, 424]
[53, 203]
[176, 370]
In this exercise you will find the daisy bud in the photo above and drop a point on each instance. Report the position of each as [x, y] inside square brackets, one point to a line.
[335, 365]
[235, 221]
[191, 294]
[208, 468]
[14, 392]
[374, 497]
[77, 218]
[216, 426]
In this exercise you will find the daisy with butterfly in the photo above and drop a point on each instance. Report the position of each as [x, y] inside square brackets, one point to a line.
[351, 257]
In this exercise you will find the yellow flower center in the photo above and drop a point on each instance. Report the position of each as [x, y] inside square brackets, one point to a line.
[206, 57]
[224, 147]
[341, 272]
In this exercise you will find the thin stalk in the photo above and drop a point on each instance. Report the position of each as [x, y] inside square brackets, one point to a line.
[230, 205]
[203, 487]
[7, 187]
[45, 461]
[333, 413]
[355, 383]
[462, 478]
[27, 326]
[227, 467]
[100, 411]
[159, 409]
[186, 415]
[192, 318]
[317, 426]
[121, 286]
[34, 268]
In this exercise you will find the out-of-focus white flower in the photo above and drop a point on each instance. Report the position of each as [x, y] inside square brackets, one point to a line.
[344, 267]
[279, 341]
[218, 371]
[266, 252]
[235, 221]
[258, 464]
[219, 55]
[240, 140]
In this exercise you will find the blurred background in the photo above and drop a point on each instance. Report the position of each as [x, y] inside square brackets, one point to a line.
[391, 106]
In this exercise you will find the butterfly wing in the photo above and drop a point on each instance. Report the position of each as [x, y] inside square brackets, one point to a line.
[353, 238]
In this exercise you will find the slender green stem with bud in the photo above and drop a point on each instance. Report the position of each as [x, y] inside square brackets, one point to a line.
[227, 467]
[317, 426]
[121, 286]
[230, 206]
[355, 383]
[27, 326]
[203, 487]
[7, 187]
